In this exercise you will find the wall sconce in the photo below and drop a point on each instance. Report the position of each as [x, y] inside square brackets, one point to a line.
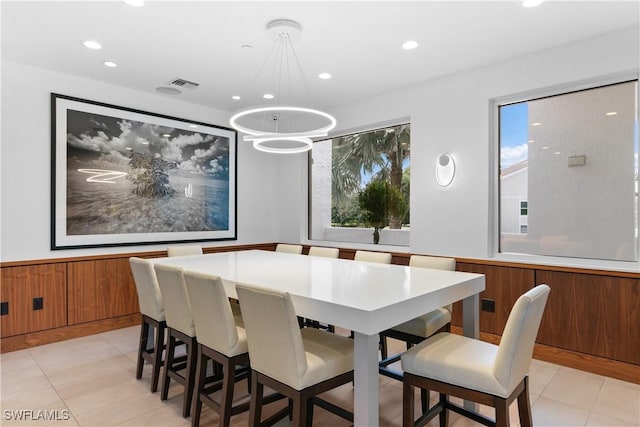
[445, 170]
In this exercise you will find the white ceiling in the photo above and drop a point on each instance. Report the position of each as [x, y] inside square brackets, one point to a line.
[357, 42]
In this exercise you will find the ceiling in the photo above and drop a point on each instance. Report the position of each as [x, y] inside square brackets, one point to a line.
[359, 43]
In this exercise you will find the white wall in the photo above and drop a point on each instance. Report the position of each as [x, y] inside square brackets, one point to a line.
[451, 115]
[26, 156]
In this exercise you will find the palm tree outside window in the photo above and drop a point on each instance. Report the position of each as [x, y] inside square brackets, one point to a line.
[341, 169]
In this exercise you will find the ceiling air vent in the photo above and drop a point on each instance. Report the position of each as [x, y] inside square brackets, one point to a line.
[184, 84]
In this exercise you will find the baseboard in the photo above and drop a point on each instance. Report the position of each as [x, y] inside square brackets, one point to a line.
[20, 342]
[572, 359]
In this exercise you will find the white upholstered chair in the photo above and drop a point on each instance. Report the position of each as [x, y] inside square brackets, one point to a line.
[289, 249]
[303, 363]
[184, 250]
[470, 369]
[152, 312]
[221, 338]
[420, 328]
[324, 252]
[180, 330]
[378, 257]
[417, 330]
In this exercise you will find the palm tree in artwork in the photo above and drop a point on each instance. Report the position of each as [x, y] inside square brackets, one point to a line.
[380, 152]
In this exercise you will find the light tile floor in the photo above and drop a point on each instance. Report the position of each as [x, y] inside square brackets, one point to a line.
[92, 380]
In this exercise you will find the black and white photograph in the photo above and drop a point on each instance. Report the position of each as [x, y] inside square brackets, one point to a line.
[124, 177]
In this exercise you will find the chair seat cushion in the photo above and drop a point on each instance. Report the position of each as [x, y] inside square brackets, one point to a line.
[457, 360]
[328, 355]
[427, 324]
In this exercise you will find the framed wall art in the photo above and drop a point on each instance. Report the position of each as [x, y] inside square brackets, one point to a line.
[127, 177]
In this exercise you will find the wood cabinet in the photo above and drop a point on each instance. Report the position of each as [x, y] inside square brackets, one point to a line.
[503, 286]
[101, 289]
[21, 285]
[592, 314]
[595, 314]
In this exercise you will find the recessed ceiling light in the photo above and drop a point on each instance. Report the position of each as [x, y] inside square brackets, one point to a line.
[410, 44]
[168, 90]
[531, 3]
[545, 148]
[167, 135]
[110, 64]
[536, 124]
[92, 44]
[557, 152]
[530, 141]
[611, 113]
[267, 96]
[193, 126]
[324, 76]
[134, 3]
[235, 98]
[129, 148]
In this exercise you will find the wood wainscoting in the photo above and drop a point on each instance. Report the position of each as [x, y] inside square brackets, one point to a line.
[80, 296]
[591, 322]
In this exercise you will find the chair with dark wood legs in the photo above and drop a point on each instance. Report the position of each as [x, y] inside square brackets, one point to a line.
[305, 362]
[470, 369]
[323, 253]
[419, 329]
[153, 324]
[222, 339]
[180, 330]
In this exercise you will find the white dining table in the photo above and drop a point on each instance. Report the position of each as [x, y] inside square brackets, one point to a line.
[364, 297]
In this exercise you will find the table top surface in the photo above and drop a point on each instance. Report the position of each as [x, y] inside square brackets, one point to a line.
[362, 286]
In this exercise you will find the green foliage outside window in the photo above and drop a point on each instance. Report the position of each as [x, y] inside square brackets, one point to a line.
[358, 159]
[379, 202]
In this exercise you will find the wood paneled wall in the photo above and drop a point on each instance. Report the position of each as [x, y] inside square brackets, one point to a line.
[100, 290]
[20, 285]
[79, 295]
[503, 285]
[591, 312]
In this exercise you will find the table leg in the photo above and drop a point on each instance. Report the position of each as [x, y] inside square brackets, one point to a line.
[471, 329]
[365, 360]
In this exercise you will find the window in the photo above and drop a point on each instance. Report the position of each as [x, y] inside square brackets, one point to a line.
[359, 184]
[574, 156]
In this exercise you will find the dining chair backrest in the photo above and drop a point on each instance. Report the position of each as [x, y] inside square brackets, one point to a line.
[211, 311]
[149, 295]
[275, 343]
[289, 249]
[324, 252]
[379, 257]
[516, 345]
[184, 250]
[177, 308]
[435, 262]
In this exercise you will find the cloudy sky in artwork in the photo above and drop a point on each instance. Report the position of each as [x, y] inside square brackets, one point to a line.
[109, 141]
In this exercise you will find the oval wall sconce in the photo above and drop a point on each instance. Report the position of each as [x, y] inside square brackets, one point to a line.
[445, 170]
